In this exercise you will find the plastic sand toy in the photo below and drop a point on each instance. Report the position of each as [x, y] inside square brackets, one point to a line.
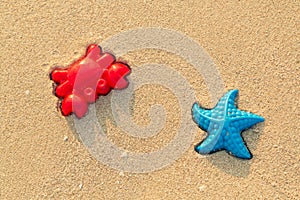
[224, 125]
[96, 73]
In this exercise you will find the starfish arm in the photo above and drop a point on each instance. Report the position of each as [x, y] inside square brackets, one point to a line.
[214, 141]
[226, 103]
[235, 145]
[245, 120]
[210, 144]
[201, 116]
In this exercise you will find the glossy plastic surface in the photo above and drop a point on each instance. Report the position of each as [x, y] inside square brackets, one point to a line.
[96, 73]
[224, 125]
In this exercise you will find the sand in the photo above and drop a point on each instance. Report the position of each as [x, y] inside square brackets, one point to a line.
[255, 47]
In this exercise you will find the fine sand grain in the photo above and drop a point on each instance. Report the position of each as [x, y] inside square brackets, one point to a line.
[255, 46]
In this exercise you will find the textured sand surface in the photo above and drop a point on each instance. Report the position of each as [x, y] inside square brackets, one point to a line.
[255, 46]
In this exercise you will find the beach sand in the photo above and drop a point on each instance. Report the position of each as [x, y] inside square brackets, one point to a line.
[255, 47]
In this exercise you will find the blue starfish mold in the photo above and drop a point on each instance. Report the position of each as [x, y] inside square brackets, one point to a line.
[224, 124]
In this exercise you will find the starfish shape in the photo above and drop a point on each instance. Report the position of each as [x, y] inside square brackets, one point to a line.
[94, 74]
[224, 124]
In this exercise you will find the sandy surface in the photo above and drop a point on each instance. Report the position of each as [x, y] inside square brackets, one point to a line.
[255, 47]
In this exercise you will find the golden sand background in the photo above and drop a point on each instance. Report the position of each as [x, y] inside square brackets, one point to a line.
[255, 45]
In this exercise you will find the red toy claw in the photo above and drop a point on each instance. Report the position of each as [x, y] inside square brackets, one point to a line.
[94, 74]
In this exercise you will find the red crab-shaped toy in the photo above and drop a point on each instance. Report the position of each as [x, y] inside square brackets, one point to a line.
[82, 82]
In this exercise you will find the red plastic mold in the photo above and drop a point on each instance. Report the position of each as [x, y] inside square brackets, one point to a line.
[96, 73]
